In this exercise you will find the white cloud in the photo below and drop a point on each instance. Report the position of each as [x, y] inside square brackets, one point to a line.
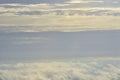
[74, 69]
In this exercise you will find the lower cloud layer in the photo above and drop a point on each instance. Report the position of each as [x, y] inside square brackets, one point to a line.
[72, 69]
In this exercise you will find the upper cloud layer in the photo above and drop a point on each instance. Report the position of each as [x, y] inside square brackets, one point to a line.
[65, 9]
[65, 15]
[69, 7]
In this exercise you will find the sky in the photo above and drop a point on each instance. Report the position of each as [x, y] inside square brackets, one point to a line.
[36, 29]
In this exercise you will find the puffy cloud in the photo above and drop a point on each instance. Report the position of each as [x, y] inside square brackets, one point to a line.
[70, 69]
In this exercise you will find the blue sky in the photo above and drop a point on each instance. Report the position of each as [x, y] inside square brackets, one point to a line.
[52, 45]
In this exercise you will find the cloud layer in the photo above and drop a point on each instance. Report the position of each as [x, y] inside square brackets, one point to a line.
[65, 15]
[57, 23]
[73, 69]
[65, 9]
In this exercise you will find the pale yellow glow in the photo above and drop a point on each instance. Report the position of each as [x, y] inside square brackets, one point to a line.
[62, 23]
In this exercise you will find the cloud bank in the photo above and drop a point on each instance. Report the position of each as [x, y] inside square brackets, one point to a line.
[74, 69]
